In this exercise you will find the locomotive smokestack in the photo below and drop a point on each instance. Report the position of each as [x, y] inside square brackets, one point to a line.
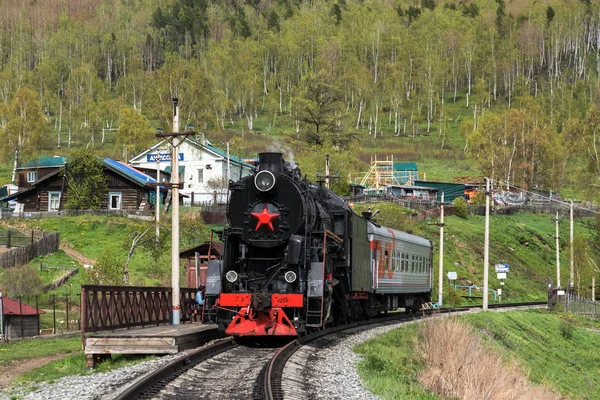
[271, 162]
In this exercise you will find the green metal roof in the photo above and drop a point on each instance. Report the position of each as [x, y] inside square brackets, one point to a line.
[45, 162]
[181, 169]
[451, 190]
[405, 166]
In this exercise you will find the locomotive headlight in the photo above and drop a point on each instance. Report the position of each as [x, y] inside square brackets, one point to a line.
[290, 276]
[231, 276]
[264, 181]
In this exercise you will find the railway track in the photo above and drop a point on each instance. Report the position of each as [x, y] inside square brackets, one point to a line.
[228, 370]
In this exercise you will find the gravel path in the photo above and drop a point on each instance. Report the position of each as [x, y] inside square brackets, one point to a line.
[98, 386]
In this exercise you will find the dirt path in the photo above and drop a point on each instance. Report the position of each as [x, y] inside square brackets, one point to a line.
[18, 367]
[79, 257]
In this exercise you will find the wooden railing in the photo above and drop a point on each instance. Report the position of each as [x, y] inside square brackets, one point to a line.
[575, 304]
[114, 307]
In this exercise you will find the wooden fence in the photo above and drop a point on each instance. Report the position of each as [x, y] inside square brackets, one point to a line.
[114, 307]
[18, 256]
[575, 304]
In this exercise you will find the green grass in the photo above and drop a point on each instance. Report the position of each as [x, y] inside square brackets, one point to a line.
[58, 259]
[92, 235]
[389, 368]
[72, 364]
[535, 338]
[38, 348]
[523, 241]
[75, 365]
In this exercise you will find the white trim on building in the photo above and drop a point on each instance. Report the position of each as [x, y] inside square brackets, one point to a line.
[198, 164]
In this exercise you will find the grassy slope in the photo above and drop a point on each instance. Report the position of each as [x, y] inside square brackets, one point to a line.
[92, 236]
[569, 365]
[524, 241]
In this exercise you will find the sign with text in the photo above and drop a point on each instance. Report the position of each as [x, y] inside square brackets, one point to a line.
[452, 276]
[152, 157]
[501, 275]
[501, 267]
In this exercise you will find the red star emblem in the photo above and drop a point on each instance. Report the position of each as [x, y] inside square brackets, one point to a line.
[264, 218]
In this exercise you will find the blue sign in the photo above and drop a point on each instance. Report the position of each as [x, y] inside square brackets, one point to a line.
[161, 157]
[501, 267]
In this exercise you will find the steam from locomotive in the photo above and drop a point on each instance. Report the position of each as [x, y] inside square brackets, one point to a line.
[297, 258]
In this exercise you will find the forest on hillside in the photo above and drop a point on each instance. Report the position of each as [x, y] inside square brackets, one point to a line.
[510, 86]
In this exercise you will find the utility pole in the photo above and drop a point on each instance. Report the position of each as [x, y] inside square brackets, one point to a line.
[327, 174]
[441, 277]
[157, 205]
[1, 319]
[228, 166]
[486, 244]
[327, 171]
[572, 263]
[175, 138]
[557, 254]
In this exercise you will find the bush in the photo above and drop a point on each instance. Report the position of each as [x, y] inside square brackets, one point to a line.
[566, 330]
[21, 281]
[451, 297]
[460, 208]
[108, 269]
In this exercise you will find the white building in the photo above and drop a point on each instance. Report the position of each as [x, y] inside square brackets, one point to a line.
[202, 168]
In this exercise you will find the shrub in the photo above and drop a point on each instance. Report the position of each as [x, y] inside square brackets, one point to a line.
[108, 269]
[566, 330]
[451, 297]
[21, 281]
[460, 208]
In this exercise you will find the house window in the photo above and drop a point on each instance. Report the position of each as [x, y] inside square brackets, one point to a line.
[31, 176]
[114, 201]
[53, 201]
[200, 176]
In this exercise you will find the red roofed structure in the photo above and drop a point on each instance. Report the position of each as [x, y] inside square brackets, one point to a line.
[19, 319]
[13, 307]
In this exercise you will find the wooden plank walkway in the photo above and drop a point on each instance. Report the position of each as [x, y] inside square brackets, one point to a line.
[163, 339]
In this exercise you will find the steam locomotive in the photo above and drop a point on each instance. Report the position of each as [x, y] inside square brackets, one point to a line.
[296, 258]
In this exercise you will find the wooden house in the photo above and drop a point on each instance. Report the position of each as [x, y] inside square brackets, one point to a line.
[31, 172]
[19, 319]
[128, 189]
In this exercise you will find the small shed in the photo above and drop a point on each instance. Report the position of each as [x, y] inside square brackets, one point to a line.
[198, 255]
[410, 191]
[19, 319]
[451, 190]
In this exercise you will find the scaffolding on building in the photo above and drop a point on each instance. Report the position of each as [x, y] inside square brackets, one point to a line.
[389, 173]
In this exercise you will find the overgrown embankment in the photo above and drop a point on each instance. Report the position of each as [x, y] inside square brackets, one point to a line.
[510, 355]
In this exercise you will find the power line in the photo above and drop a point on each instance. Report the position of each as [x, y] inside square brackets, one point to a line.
[564, 203]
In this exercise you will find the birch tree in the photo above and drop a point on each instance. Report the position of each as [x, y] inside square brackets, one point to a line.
[22, 125]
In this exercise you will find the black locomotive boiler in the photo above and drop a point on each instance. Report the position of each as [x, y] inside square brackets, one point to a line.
[296, 258]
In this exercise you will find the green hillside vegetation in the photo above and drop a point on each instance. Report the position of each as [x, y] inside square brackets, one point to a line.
[108, 241]
[496, 88]
[554, 351]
